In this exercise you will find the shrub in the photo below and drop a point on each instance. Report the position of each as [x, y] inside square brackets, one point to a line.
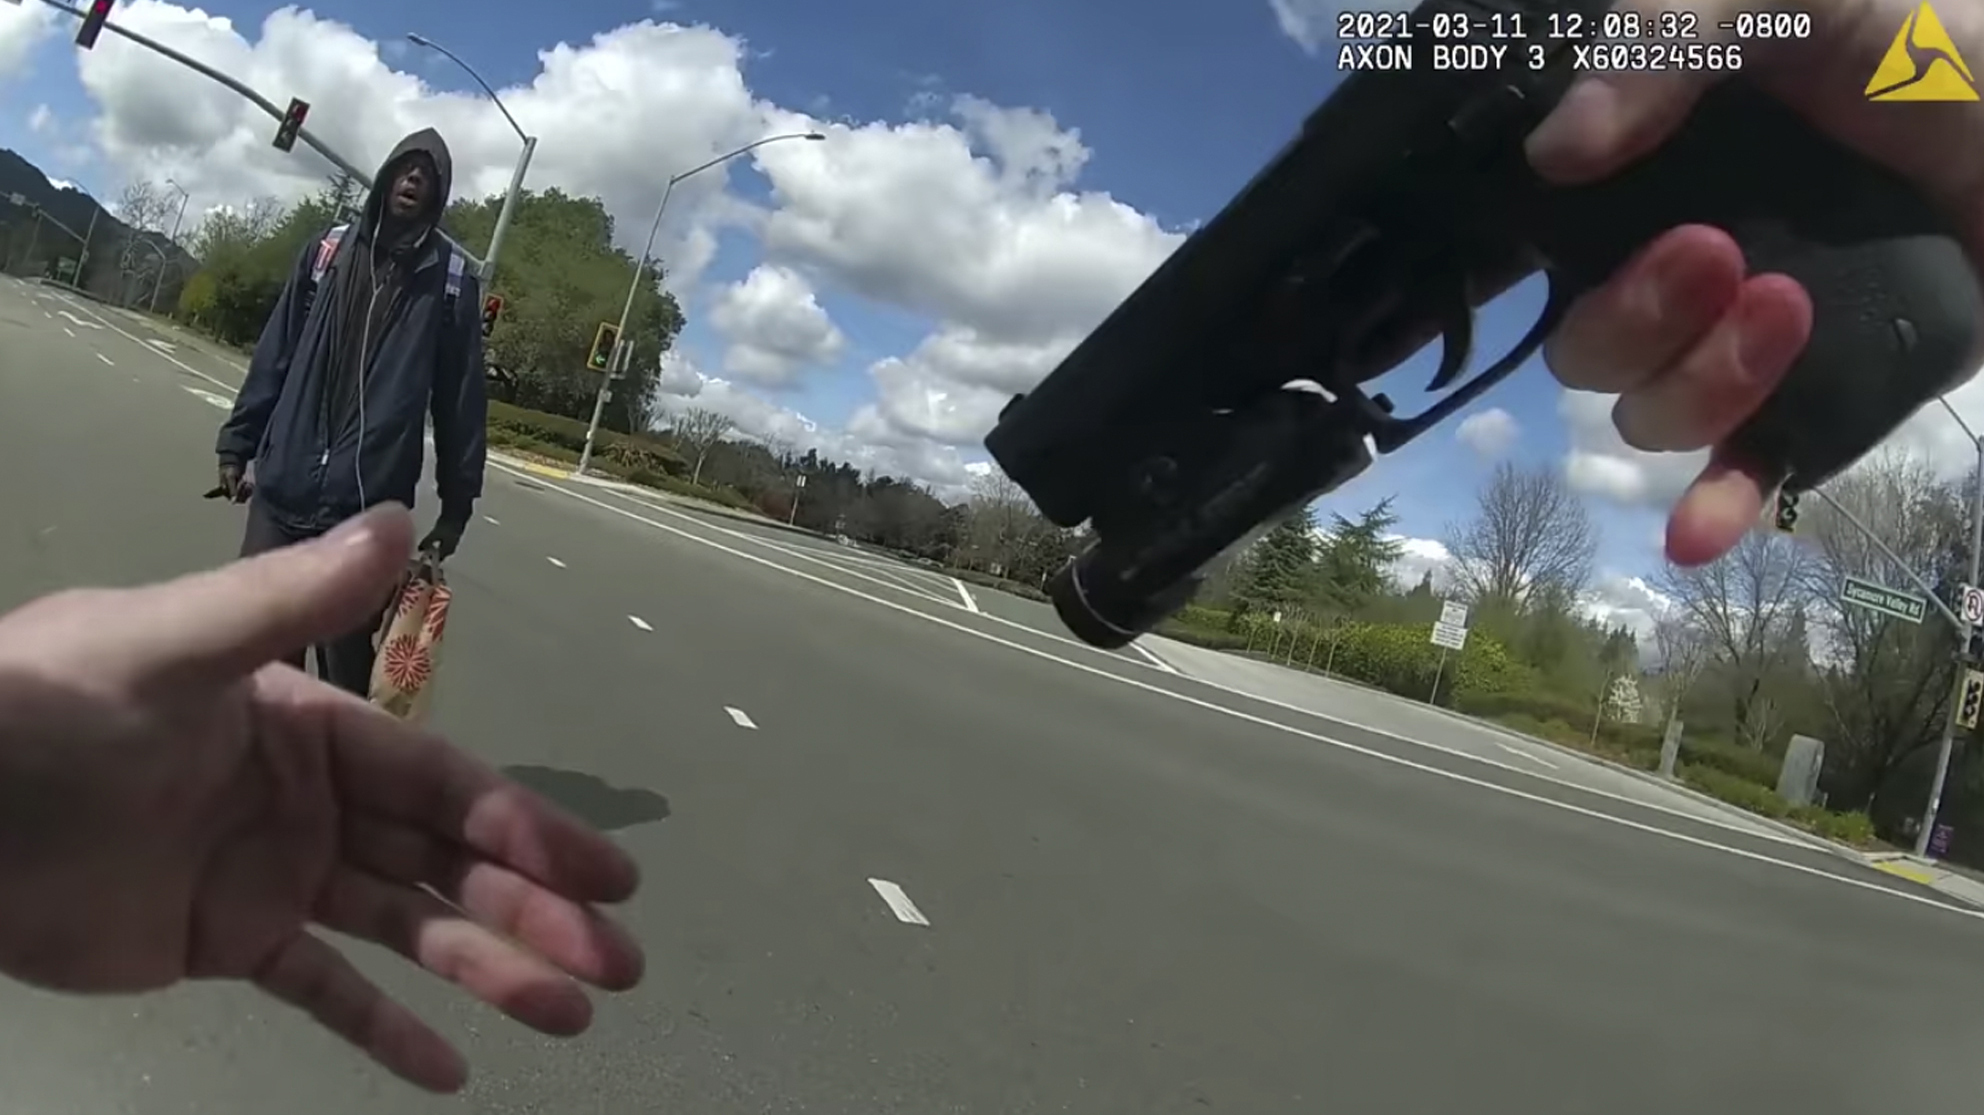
[628, 453]
[1735, 790]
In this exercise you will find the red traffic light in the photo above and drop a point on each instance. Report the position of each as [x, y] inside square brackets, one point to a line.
[292, 123]
[92, 23]
[492, 308]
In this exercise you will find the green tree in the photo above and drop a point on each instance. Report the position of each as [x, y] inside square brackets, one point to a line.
[560, 276]
[1354, 562]
[1280, 571]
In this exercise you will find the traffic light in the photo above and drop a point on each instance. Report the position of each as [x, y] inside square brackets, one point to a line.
[292, 123]
[602, 346]
[492, 308]
[1972, 702]
[92, 23]
[1786, 519]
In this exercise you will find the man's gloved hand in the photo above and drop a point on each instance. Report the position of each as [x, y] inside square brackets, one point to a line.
[445, 538]
[234, 482]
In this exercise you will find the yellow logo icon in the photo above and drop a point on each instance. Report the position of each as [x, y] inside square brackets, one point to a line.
[1922, 65]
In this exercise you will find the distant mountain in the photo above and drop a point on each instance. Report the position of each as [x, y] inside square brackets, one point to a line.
[107, 274]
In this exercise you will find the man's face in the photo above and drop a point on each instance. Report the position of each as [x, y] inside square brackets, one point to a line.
[410, 190]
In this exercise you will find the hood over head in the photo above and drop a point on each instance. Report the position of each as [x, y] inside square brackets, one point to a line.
[427, 142]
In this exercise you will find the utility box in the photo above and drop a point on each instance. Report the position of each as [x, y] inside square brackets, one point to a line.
[1798, 778]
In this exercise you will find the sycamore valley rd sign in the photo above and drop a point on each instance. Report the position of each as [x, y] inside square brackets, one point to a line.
[1880, 598]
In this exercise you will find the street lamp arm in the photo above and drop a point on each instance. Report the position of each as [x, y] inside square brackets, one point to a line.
[744, 150]
[1965, 426]
[430, 44]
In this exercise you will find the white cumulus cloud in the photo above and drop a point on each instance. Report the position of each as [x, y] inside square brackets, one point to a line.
[775, 326]
[1490, 432]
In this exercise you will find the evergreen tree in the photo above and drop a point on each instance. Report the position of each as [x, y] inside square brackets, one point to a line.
[1281, 569]
[1354, 563]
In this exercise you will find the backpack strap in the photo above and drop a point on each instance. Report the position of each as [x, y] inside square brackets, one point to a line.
[456, 268]
[327, 251]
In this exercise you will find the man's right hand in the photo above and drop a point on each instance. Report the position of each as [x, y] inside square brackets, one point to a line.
[1690, 341]
[234, 482]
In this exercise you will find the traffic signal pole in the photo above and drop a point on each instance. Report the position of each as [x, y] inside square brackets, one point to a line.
[1947, 748]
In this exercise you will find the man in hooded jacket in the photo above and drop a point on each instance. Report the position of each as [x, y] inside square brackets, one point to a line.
[378, 326]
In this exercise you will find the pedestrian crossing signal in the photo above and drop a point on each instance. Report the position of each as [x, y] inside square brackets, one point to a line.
[1786, 518]
[1972, 702]
[492, 308]
[292, 124]
[92, 23]
[602, 346]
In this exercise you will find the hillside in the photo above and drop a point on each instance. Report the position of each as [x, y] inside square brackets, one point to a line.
[106, 274]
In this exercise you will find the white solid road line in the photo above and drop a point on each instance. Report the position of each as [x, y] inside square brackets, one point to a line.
[555, 562]
[639, 622]
[1521, 754]
[970, 605]
[105, 359]
[739, 717]
[899, 903]
[1345, 745]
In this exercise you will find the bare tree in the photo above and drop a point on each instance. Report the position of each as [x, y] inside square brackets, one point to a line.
[1683, 648]
[1003, 521]
[1529, 530]
[1745, 604]
[1888, 692]
[699, 429]
[782, 450]
[147, 208]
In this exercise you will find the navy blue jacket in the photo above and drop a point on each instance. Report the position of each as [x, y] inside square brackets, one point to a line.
[429, 360]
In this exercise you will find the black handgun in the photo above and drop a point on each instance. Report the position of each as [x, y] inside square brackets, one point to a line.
[1405, 203]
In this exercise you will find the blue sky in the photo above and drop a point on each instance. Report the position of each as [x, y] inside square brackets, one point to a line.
[1178, 101]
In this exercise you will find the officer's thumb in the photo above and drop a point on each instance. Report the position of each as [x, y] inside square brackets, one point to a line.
[1607, 121]
[213, 627]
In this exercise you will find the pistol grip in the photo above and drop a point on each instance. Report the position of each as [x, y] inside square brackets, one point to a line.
[1895, 298]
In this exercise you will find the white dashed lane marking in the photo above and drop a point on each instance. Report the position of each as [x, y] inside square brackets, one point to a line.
[69, 331]
[639, 622]
[899, 903]
[556, 562]
[105, 359]
[492, 522]
[739, 717]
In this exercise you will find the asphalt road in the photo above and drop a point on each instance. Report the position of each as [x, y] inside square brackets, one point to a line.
[1140, 892]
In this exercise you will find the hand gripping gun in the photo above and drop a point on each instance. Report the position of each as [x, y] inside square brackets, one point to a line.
[1404, 203]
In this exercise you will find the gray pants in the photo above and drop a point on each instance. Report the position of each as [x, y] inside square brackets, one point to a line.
[345, 662]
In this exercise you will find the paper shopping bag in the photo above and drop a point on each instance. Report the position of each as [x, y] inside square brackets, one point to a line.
[408, 647]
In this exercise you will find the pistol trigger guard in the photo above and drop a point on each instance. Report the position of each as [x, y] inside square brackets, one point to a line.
[1456, 332]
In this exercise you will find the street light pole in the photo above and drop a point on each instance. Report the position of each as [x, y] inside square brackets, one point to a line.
[151, 307]
[1947, 748]
[640, 266]
[488, 266]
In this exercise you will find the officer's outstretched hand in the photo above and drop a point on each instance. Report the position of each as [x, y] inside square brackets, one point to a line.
[174, 806]
[1690, 341]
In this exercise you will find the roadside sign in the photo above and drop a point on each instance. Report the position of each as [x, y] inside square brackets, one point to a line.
[1880, 598]
[1453, 614]
[799, 481]
[1452, 636]
[1973, 605]
[17, 199]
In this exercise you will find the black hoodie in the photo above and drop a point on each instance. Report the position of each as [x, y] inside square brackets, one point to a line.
[319, 455]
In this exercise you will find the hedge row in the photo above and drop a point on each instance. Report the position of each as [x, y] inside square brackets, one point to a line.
[637, 459]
